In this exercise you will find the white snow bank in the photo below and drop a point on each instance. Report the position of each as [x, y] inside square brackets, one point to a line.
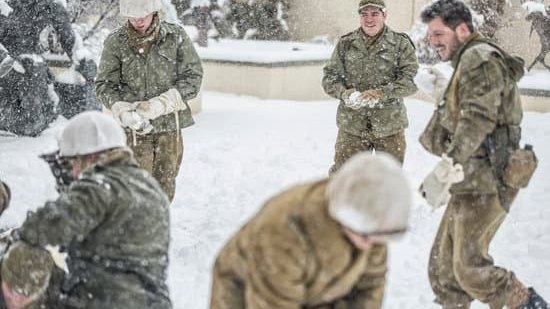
[531, 6]
[243, 150]
[264, 51]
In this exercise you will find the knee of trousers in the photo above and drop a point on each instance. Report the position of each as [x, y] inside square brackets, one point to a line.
[481, 283]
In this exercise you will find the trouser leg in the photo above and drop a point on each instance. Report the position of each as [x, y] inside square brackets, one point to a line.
[167, 161]
[348, 145]
[160, 154]
[393, 144]
[143, 147]
[471, 222]
[444, 284]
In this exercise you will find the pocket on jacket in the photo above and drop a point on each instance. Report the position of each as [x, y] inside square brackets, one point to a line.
[389, 119]
[478, 177]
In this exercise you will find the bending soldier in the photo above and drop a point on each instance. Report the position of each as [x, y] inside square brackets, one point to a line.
[318, 245]
[112, 222]
[5, 196]
[25, 275]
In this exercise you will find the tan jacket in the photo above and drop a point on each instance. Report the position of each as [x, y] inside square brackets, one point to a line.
[292, 254]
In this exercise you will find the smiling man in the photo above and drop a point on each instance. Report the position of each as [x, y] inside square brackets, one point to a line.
[371, 70]
[476, 127]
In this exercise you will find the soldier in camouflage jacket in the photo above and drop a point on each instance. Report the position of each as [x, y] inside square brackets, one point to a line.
[380, 65]
[113, 222]
[475, 127]
[148, 70]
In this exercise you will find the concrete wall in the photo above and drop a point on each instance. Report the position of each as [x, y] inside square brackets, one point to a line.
[292, 82]
[296, 82]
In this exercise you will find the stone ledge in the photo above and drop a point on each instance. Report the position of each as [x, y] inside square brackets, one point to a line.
[281, 64]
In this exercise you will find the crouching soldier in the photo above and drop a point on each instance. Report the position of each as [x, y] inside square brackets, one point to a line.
[4, 196]
[25, 275]
[318, 245]
[112, 221]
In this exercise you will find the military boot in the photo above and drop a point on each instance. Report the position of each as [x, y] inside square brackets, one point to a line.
[534, 301]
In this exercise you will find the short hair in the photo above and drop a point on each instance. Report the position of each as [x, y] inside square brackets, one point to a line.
[451, 12]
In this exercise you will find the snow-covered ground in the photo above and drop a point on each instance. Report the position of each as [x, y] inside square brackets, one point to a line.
[243, 150]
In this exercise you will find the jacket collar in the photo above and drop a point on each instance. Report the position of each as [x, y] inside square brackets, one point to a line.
[359, 38]
[122, 155]
[469, 41]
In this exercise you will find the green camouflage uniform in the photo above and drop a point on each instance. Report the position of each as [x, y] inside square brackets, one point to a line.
[127, 75]
[481, 111]
[386, 62]
[113, 222]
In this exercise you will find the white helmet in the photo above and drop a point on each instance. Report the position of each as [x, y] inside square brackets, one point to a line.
[139, 8]
[370, 194]
[90, 132]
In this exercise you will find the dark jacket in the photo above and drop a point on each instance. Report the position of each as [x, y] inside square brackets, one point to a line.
[114, 223]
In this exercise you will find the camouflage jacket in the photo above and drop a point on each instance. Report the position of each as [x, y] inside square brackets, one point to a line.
[127, 75]
[113, 221]
[388, 64]
[292, 254]
[482, 101]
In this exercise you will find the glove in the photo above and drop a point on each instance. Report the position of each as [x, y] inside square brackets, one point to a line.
[166, 103]
[353, 99]
[119, 107]
[372, 96]
[126, 115]
[435, 187]
[59, 259]
[136, 122]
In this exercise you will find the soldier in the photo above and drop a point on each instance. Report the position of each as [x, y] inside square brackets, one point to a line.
[318, 245]
[371, 70]
[25, 275]
[112, 221]
[147, 72]
[474, 129]
[5, 196]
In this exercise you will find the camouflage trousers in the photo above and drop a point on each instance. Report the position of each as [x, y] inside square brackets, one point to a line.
[460, 267]
[160, 154]
[348, 144]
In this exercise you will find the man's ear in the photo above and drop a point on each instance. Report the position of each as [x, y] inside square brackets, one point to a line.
[462, 32]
